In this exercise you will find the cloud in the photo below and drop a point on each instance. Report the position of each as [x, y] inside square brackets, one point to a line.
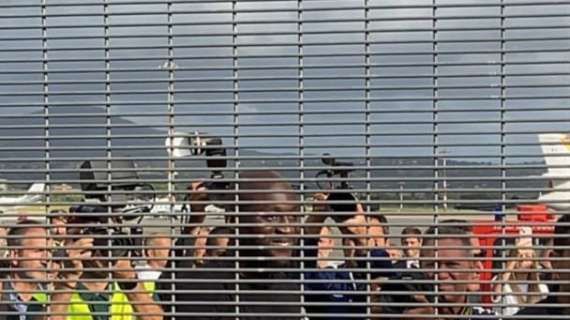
[335, 87]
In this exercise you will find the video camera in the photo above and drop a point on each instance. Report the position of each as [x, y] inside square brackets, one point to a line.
[128, 195]
[103, 214]
[198, 144]
[340, 198]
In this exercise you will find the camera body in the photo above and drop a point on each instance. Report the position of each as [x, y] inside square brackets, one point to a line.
[114, 243]
[200, 144]
[341, 198]
[103, 214]
[111, 186]
[216, 161]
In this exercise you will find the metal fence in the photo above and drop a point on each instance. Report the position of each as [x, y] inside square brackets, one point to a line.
[307, 159]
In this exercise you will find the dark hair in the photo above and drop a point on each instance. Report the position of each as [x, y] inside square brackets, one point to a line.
[447, 231]
[17, 232]
[562, 231]
[262, 183]
[217, 233]
[411, 231]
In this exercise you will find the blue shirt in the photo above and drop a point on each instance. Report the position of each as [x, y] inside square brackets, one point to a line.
[337, 291]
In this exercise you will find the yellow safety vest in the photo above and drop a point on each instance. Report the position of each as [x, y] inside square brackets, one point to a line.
[121, 309]
[41, 297]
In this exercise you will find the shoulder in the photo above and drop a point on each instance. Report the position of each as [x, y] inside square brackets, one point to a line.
[330, 273]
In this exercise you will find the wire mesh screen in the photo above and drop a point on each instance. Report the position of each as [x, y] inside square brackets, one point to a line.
[307, 159]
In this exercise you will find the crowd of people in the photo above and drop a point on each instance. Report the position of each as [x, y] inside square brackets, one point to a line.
[272, 260]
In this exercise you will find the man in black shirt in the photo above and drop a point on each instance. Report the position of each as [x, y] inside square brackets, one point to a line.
[557, 304]
[257, 277]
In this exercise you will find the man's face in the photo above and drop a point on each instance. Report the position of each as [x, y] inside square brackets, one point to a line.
[412, 247]
[34, 256]
[450, 262]
[274, 224]
[158, 252]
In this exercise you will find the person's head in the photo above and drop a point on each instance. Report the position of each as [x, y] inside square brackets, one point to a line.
[411, 241]
[325, 245]
[449, 258]
[218, 241]
[200, 244]
[395, 253]
[378, 230]
[562, 255]
[363, 231]
[58, 221]
[269, 217]
[29, 250]
[157, 250]
[525, 257]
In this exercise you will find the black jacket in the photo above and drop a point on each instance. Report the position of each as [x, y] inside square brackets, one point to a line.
[542, 309]
[209, 292]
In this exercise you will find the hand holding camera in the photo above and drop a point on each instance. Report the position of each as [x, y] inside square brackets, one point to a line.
[340, 199]
[197, 197]
[200, 144]
[125, 274]
[76, 252]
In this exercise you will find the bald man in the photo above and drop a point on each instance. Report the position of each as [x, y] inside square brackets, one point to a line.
[157, 248]
[268, 224]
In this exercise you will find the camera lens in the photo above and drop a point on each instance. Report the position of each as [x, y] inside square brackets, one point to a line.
[114, 245]
[342, 201]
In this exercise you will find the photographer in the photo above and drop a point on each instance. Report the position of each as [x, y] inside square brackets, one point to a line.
[103, 286]
[268, 223]
[557, 304]
[519, 283]
[363, 244]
